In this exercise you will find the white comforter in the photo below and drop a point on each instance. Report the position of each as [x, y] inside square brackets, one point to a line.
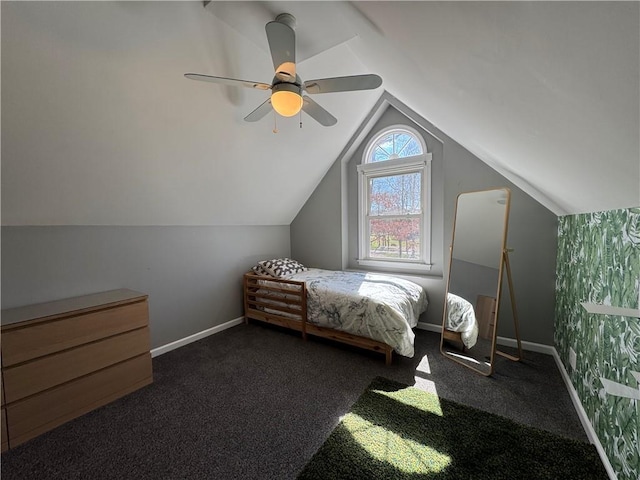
[462, 318]
[376, 306]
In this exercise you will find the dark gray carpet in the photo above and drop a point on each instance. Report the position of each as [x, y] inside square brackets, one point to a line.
[255, 402]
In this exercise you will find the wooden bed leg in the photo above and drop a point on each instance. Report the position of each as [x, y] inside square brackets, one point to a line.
[388, 355]
[303, 310]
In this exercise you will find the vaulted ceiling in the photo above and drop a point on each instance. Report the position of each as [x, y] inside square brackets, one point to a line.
[99, 126]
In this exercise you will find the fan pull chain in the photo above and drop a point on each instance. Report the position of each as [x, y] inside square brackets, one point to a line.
[275, 122]
[300, 118]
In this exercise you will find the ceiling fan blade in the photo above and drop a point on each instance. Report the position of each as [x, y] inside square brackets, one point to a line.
[260, 112]
[318, 113]
[343, 84]
[228, 81]
[282, 43]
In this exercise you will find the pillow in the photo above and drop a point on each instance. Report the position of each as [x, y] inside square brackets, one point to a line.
[258, 270]
[279, 267]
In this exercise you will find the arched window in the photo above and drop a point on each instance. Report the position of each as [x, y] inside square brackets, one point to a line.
[394, 143]
[394, 201]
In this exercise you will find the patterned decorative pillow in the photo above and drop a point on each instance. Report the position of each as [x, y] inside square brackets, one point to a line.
[279, 267]
[258, 270]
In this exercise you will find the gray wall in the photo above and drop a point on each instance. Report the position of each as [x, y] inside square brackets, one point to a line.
[470, 280]
[532, 228]
[316, 230]
[193, 275]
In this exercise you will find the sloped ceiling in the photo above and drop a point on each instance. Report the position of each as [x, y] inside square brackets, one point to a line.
[548, 93]
[99, 126]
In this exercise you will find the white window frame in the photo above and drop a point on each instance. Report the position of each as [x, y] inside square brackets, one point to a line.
[368, 170]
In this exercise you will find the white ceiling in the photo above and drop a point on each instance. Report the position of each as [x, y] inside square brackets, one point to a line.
[318, 27]
[546, 92]
[100, 127]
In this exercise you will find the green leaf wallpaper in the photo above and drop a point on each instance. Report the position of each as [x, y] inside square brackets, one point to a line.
[599, 261]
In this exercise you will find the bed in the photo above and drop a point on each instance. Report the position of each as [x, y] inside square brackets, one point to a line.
[461, 324]
[372, 311]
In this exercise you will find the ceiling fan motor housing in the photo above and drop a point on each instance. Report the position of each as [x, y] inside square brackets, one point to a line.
[288, 19]
[291, 80]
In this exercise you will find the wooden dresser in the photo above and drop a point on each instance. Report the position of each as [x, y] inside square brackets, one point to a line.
[65, 358]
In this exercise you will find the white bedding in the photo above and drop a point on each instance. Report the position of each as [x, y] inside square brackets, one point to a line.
[462, 318]
[376, 306]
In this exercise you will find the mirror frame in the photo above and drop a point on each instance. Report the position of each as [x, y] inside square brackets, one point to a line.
[444, 335]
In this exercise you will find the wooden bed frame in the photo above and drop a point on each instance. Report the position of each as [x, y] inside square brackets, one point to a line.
[485, 314]
[292, 312]
[453, 337]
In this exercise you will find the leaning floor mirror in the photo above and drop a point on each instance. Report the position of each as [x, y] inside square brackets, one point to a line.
[477, 260]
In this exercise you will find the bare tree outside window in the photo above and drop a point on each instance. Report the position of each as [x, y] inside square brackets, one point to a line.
[393, 198]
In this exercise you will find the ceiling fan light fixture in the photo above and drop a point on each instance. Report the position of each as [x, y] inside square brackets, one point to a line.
[286, 99]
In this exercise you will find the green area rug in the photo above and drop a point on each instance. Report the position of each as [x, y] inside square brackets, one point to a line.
[395, 431]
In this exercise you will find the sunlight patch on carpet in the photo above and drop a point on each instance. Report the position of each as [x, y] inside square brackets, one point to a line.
[425, 385]
[413, 397]
[424, 366]
[404, 454]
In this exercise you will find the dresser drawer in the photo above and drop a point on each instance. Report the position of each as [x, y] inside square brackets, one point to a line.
[20, 344]
[33, 416]
[32, 377]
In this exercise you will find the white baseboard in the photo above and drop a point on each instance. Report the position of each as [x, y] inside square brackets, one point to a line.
[530, 346]
[429, 326]
[507, 342]
[584, 419]
[195, 337]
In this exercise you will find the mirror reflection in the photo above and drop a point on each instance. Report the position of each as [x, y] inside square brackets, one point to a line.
[475, 274]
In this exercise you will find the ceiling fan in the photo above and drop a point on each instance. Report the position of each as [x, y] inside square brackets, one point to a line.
[287, 88]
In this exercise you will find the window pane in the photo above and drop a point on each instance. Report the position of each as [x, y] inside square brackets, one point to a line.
[412, 148]
[386, 143]
[396, 194]
[398, 144]
[383, 149]
[397, 238]
[401, 139]
[379, 155]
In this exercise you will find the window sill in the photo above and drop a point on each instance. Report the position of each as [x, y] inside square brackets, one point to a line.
[396, 266]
